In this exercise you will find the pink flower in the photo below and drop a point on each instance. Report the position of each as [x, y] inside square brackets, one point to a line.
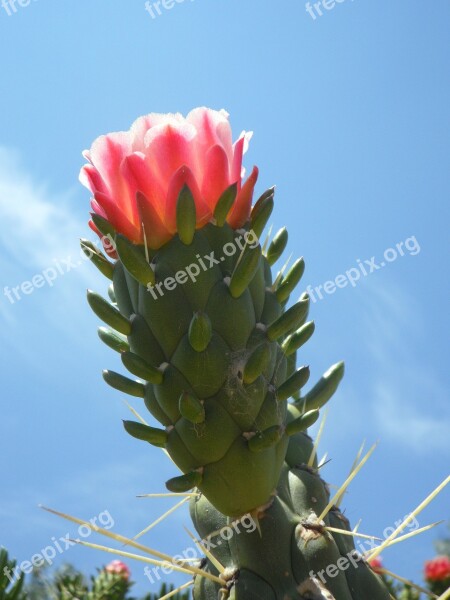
[438, 569]
[376, 564]
[136, 176]
[117, 567]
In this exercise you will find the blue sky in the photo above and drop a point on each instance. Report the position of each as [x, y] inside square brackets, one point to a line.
[350, 113]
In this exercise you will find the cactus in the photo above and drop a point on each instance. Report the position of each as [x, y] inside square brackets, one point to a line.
[291, 554]
[199, 319]
[215, 361]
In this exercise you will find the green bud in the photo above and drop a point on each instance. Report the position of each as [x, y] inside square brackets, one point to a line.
[277, 246]
[293, 384]
[292, 343]
[244, 271]
[140, 368]
[97, 258]
[289, 320]
[134, 260]
[324, 389]
[225, 204]
[191, 408]
[261, 212]
[123, 384]
[108, 313]
[290, 281]
[257, 363]
[186, 216]
[302, 423]
[111, 294]
[152, 435]
[113, 339]
[104, 226]
[200, 331]
[265, 439]
[184, 483]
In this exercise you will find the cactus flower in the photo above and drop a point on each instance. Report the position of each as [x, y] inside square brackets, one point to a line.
[136, 176]
[117, 567]
[438, 569]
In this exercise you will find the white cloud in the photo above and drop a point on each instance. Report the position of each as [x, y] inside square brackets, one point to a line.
[41, 231]
[408, 398]
[37, 226]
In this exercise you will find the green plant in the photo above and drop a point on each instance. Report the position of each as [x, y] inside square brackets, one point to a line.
[10, 587]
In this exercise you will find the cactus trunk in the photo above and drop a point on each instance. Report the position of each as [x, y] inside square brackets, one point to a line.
[290, 555]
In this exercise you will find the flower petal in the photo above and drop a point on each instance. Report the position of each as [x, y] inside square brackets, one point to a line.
[143, 124]
[169, 147]
[216, 176]
[241, 209]
[154, 231]
[117, 218]
[146, 182]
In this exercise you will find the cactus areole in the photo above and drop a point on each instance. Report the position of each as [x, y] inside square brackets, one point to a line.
[210, 340]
